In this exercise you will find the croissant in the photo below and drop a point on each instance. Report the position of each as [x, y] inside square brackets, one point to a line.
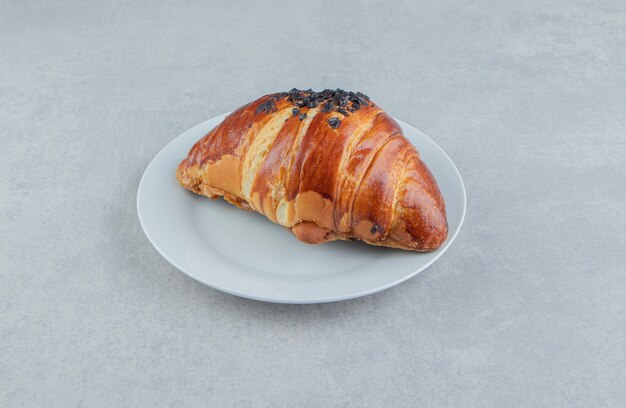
[327, 165]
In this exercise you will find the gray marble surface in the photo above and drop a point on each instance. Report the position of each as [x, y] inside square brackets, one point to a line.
[527, 309]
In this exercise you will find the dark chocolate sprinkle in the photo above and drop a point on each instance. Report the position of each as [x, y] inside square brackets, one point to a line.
[330, 99]
[303, 116]
[267, 107]
[374, 229]
[295, 112]
[334, 122]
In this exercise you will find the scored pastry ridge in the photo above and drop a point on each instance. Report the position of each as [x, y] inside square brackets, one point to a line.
[344, 184]
[327, 165]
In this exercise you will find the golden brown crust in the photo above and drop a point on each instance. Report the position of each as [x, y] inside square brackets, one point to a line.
[356, 179]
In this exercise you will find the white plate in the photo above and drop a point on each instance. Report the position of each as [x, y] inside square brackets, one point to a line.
[245, 254]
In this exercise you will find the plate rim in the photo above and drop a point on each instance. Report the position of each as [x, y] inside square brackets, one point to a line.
[314, 300]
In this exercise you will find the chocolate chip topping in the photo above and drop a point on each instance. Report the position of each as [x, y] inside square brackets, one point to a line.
[343, 111]
[267, 107]
[334, 122]
[328, 106]
[337, 100]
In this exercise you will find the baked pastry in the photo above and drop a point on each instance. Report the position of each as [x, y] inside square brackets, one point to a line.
[327, 165]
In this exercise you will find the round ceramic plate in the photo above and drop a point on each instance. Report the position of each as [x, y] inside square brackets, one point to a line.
[245, 254]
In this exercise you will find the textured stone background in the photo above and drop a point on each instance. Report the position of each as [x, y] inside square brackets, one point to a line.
[528, 308]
